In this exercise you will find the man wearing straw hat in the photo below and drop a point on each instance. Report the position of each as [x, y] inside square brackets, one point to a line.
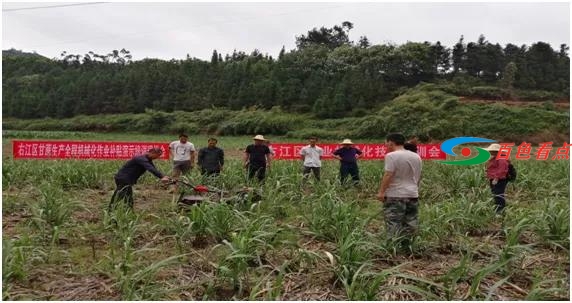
[348, 156]
[257, 158]
[497, 171]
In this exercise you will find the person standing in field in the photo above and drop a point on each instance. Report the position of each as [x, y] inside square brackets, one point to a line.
[399, 190]
[183, 153]
[128, 175]
[497, 171]
[211, 159]
[312, 159]
[348, 156]
[257, 158]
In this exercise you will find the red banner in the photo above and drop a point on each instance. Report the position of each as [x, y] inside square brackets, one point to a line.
[83, 150]
[125, 150]
[290, 151]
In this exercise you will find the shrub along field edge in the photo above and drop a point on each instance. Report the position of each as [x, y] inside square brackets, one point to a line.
[425, 111]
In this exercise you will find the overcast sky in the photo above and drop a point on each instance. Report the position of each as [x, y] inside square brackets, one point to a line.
[173, 30]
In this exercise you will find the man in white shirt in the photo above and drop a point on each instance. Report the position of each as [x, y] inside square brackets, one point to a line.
[311, 156]
[399, 190]
[183, 155]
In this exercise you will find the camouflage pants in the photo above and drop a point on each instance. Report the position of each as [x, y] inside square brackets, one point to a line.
[401, 217]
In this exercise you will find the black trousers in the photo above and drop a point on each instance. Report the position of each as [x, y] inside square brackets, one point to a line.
[498, 191]
[307, 170]
[123, 192]
[347, 169]
[258, 171]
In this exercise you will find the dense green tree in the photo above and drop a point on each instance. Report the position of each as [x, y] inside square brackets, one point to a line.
[459, 56]
[509, 75]
[329, 37]
[326, 74]
[364, 42]
[214, 57]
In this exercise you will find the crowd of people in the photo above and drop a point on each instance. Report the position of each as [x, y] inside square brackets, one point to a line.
[398, 190]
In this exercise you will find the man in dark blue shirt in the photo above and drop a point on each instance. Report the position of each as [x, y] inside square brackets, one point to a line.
[257, 158]
[348, 156]
[128, 175]
[211, 159]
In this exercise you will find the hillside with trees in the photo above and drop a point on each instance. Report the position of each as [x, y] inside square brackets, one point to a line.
[326, 76]
[424, 111]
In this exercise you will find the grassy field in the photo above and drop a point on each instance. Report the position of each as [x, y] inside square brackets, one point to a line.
[321, 242]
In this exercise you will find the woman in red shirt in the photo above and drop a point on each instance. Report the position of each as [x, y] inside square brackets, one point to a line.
[497, 170]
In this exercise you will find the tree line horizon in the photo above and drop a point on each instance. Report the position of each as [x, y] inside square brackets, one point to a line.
[327, 74]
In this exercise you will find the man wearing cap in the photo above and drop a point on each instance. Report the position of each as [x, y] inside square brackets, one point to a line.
[128, 175]
[312, 158]
[257, 158]
[496, 171]
[348, 156]
[399, 189]
[183, 153]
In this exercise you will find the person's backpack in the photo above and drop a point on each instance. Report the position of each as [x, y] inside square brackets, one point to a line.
[511, 175]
